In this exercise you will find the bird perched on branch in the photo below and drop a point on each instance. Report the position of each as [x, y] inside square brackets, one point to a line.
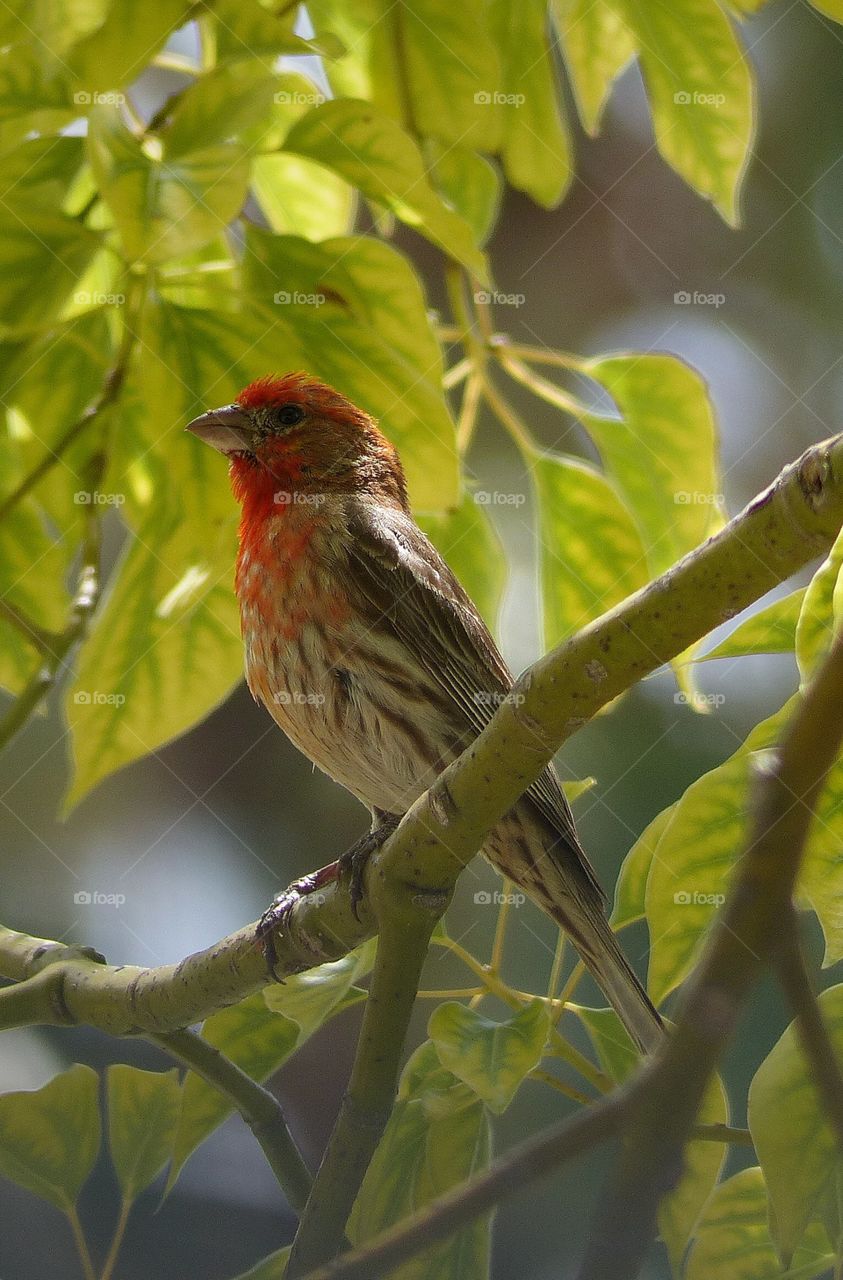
[368, 653]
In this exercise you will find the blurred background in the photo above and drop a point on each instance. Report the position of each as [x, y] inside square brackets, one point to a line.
[198, 838]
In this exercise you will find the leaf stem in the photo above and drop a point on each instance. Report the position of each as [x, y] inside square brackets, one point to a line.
[117, 1239]
[81, 1242]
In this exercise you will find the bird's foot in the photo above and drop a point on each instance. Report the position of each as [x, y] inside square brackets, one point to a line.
[278, 912]
[352, 863]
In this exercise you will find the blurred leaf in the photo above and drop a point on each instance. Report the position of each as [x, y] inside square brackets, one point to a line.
[40, 171]
[271, 1268]
[597, 45]
[733, 1238]
[831, 8]
[470, 183]
[32, 570]
[41, 256]
[247, 29]
[50, 1137]
[465, 537]
[437, 1136]
[492, 1058]
[431, 68]
[822, 611]
[662, 455]
[218, 106]
[123, 45]
[694, 857]
[592, 556]
[374, 153]
[30, 98]
[259, 1034]
[616, 1053]
[357, 308]
[770, 630]
[535, 147]
[701, 93]
[821, 880]
[143, 1110]
[164, 207]
[631, 886]
[302, 198]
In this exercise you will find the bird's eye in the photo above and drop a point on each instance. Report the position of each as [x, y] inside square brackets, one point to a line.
[288, 415]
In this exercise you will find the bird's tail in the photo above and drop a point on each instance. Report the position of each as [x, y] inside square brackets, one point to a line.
[596, 943]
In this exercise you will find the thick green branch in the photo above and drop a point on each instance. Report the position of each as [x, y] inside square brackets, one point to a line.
[795, 520]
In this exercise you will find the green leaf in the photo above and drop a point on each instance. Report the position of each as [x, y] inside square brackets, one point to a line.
[270, 1268]
[247, 29]
[50, 1137]
[466, 538]
[616, 1053]
[143, 1110]
[535, 147]
[42, 255]
[41, 171]
[374, 154]
[470, 183]
[425, 65]
[701, 93]
[30, 98]
[299, 197]
[694, 856]
[831, 8]
[770, 630]
[492, 1058]
[822, 611]
[592, 556]
[164, 206]
[259, 1034]
[219, 106]
[733, 1238]
[358, 311]
[123, 45]
[631, 887]
[437, 1136]
[662, 455]
[597, 45]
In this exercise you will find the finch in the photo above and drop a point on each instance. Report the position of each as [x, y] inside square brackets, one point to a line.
[371, 657]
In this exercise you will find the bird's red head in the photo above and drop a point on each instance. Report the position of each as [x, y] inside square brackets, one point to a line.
[295, 433]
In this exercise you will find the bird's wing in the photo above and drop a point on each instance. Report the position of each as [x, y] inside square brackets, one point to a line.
[420, 601]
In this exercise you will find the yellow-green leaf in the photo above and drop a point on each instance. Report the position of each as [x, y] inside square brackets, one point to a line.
[770, 630]
[42, 256]
[492, 1058]
[375, 155]
[733, 1238]
[123, 45]
[535, 147]
[470, 183]
[592, 556]
[662, 454]
[437, 1136]
[597, 45]
[163, 206]
[822, 611]
[631, 888]
[271, 1268]
[50, 1137]
[701, 93]
[143, 1110]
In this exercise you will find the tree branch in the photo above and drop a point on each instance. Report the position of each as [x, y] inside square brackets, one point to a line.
[789, 524]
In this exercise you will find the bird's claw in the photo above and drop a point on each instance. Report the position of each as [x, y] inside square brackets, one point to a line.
[352, 863]
[278, 912]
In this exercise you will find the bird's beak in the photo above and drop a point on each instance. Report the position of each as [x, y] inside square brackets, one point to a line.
[227, 429]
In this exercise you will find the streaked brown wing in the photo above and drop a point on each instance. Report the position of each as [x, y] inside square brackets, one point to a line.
[418, 598]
